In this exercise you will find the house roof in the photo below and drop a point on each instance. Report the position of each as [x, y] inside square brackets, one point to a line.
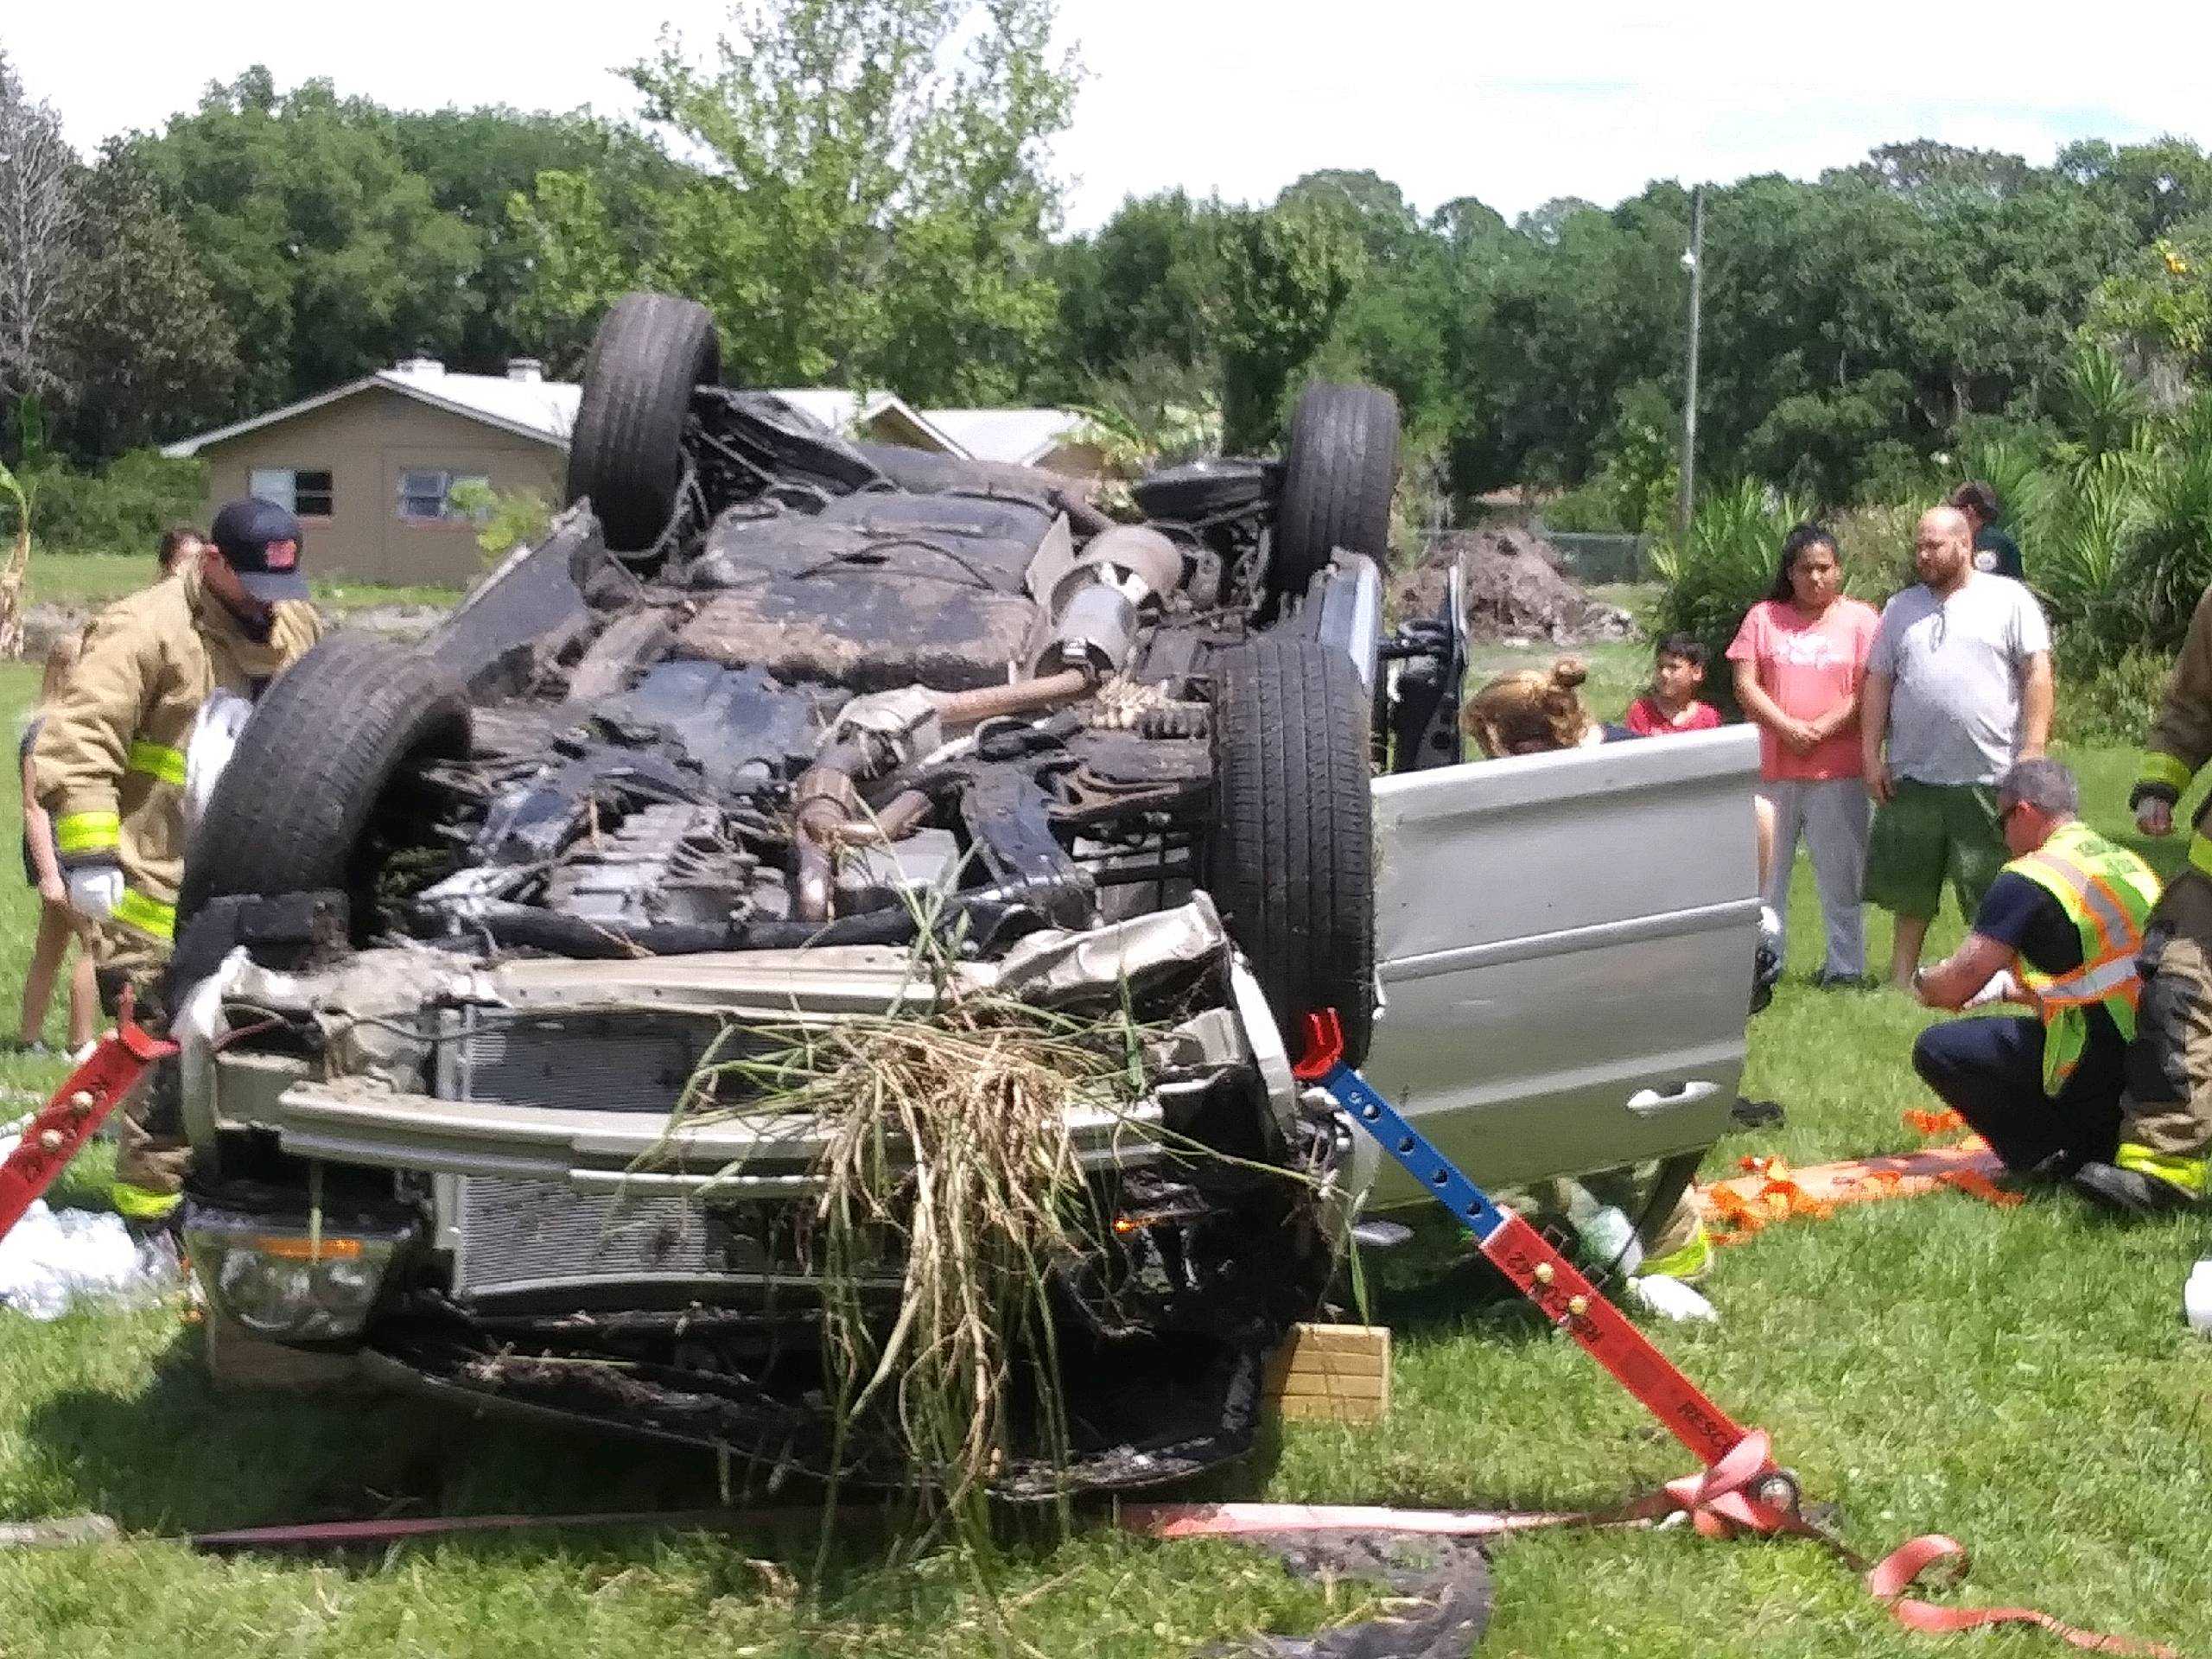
[546, 410]
[847, 411]
[1021, 436]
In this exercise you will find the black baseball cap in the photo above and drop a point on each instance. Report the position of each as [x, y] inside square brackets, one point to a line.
[245, 534]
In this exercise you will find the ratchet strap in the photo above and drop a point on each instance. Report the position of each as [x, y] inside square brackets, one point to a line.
[1740, 1491]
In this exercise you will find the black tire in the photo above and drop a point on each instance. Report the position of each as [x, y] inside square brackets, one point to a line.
[1289, 856]
[1339, 470]
[292, 811]
[626, 451]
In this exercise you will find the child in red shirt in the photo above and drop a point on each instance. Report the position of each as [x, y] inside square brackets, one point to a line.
[1671, 705]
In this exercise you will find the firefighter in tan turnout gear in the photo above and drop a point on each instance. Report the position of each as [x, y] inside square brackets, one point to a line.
[2166, 1137]
[111, 763]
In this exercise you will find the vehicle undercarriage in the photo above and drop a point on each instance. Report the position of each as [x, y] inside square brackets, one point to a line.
[776, 732]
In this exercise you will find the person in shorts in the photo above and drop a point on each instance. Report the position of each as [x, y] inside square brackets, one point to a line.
[1958, 687]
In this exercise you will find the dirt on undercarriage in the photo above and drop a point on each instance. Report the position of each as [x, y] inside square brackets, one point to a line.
[1517, 589]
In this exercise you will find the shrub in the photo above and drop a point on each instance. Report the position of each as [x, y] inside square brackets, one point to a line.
[1724, 568]
[1875, 544]
[1594, 508]
[121, 509]
[2109, 703]
[506, 519]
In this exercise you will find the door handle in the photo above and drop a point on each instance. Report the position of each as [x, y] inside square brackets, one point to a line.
[1646, 1101]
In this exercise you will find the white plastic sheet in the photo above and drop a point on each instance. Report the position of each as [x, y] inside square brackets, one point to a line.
[51, 1257]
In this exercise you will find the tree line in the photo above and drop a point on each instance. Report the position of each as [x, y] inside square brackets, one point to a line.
[865, 194]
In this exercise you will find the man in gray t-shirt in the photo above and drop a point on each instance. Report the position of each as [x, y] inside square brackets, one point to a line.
[1958, 687]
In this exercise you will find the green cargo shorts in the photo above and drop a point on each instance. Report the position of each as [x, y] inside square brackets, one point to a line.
[1928, 832]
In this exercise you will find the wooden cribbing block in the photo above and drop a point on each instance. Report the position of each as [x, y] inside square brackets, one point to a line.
[1330, 1373]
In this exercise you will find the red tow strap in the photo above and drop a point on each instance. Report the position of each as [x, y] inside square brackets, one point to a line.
[76, 1111]
[1739, 1491]
[1721, 1501]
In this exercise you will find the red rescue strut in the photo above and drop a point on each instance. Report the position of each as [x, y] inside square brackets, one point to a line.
[77, 1109]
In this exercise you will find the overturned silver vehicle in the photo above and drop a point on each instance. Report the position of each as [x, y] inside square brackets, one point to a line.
[460, 925]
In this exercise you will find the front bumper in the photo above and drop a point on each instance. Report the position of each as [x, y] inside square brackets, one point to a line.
[534, 1112]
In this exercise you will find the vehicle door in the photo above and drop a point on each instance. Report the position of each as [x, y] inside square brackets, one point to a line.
[1565, 947]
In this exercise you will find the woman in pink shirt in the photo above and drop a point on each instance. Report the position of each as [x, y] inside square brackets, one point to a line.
[1801, 661]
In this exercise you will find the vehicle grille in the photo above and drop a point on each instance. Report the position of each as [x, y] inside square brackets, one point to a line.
[587, 1061]
[517, 1236]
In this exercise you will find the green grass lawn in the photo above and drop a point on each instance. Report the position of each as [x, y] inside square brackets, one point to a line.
[2019, 1378]
[91, 580]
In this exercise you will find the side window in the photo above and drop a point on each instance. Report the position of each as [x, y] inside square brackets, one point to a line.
[421, 495]
[429, 494]
[308, 493]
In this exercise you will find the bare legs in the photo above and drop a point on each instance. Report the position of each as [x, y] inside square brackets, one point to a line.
[1904, 955]
[57, 932]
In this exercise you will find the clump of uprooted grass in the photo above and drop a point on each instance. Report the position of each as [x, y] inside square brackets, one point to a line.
[947, 1147]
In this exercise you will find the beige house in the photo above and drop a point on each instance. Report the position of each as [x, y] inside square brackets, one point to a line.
[370, 467]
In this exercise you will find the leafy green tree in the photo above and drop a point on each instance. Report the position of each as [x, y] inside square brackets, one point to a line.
[1817, 442]
[1286, 271]
[1935, 175]
[2156, 185]
[326, 249]
[1147, 284]
[1585, 304]
[862, 213]
[476, 161]
[2157, 308]
[1387, 227]
[152, 355]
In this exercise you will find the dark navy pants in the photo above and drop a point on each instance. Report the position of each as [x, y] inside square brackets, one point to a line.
[1989, 1071]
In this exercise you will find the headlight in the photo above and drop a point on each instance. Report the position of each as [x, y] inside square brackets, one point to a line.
[281, 1281]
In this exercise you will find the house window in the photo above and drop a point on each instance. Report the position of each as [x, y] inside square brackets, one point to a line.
[307, 493]
[428, 494]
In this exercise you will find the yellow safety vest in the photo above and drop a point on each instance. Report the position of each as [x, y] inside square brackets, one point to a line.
[2107, 894]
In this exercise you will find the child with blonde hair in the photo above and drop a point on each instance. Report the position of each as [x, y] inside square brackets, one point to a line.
[1530, 711]
[58, 925]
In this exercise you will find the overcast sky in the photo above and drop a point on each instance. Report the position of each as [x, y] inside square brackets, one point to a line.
[1513, 105]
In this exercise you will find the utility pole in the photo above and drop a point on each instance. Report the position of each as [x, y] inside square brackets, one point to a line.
[1694, 261]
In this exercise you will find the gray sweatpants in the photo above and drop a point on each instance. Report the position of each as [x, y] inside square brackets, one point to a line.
[1833, 816]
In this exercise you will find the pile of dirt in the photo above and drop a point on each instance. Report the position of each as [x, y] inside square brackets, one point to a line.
[1516, 589]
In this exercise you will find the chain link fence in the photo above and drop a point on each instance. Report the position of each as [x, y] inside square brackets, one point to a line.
[1592, 558]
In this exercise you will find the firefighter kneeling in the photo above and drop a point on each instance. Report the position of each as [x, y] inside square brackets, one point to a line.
[2059, 932]
[111, 767]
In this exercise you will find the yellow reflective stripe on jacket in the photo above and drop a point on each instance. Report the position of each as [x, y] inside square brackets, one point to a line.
[2176, 1170]
[2165, 770]
[158, 760]
[2200, 853]
[135, 1203]
[2107, 894]
[149, 916]
[1686, 1263]
[87, 832]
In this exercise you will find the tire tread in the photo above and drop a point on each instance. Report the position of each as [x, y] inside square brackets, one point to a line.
[1290, 854]
[325, 739]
